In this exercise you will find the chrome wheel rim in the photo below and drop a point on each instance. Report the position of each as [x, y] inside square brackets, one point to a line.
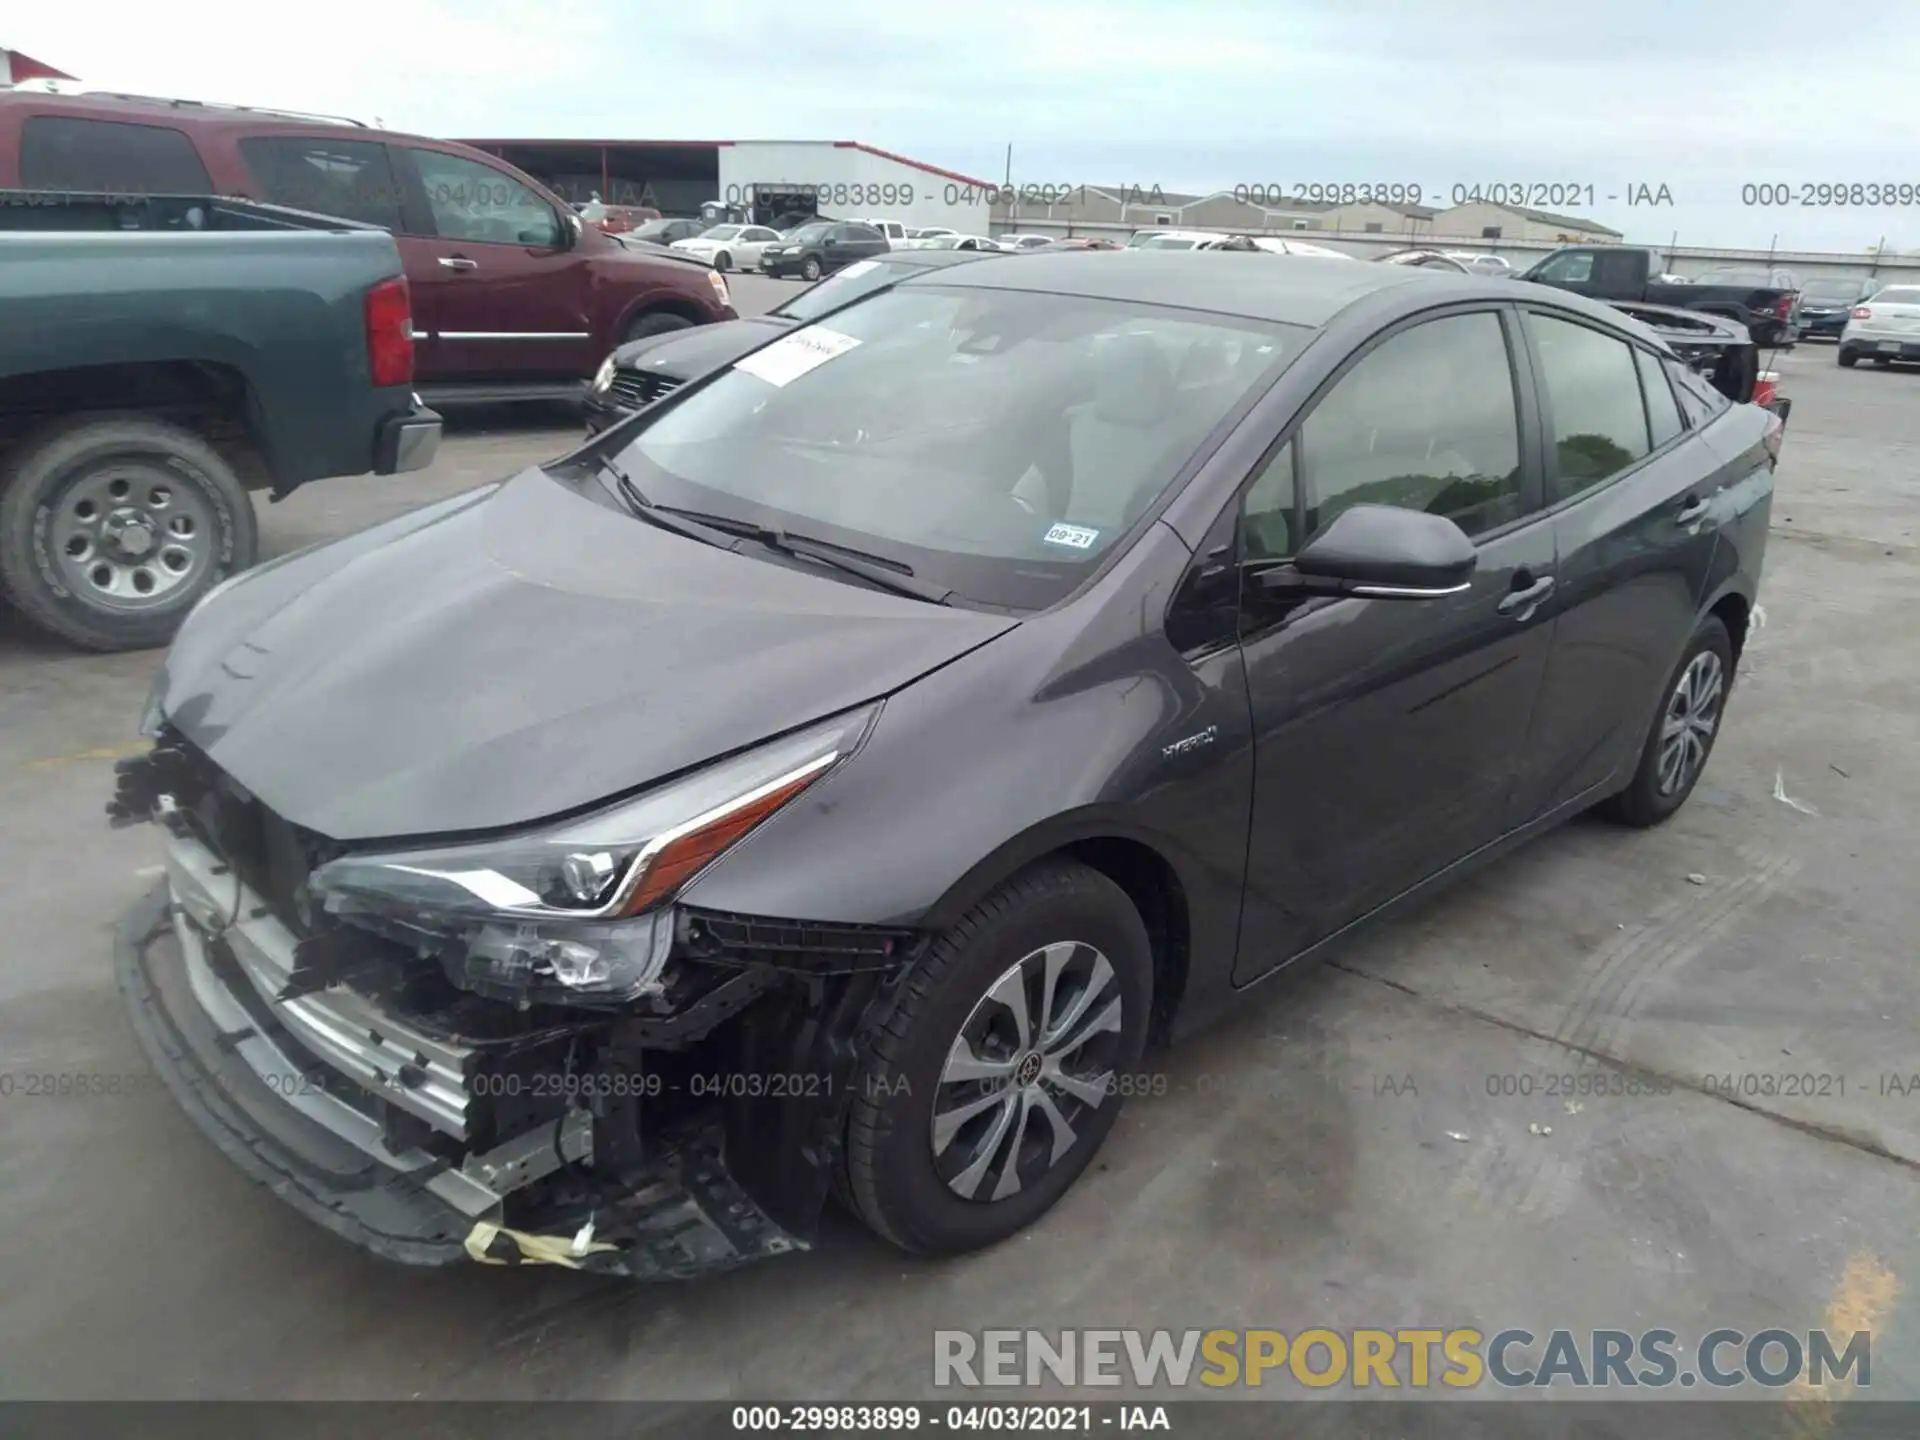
[1032, 1062]
[129, 535]
[1687, 726]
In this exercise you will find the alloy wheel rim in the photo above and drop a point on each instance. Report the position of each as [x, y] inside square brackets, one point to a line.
[1031, 1064]
[1688, 723]
[129, 535]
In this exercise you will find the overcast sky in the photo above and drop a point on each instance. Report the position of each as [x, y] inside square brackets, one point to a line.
[1195, 95]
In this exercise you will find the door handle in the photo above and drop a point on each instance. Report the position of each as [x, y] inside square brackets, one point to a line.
[1522, 603]
[458, 262]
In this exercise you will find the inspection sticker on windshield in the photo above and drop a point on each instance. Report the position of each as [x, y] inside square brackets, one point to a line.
[1077, 537]
[792, 356]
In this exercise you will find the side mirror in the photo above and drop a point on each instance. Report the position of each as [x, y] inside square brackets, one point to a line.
[1382, 552]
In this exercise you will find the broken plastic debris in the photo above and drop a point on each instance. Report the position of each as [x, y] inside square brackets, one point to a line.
[583, 1237]
[527, 1249]
[1458, 1135]
[1574, 1107]
[1780, 794]
[1536, 1128]
[1696, 878]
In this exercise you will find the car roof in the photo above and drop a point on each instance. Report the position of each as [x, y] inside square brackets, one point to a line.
[1293, 290]
[1287, 289]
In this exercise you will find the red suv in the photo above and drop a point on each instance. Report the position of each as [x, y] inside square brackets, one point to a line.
[513, 296]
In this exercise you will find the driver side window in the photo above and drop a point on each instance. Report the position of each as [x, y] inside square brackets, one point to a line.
[475, 202]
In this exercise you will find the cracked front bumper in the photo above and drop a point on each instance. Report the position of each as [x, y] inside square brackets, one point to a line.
[296, 1092]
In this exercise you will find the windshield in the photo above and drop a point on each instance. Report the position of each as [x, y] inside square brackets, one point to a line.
[807, 234]
[652, 229]
[1833, 289]
[720, 232]
[1898, 295]
[844, 286]
[999, 442]
[1165, 242]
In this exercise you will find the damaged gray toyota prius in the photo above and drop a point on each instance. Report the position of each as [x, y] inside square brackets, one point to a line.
[827, 780]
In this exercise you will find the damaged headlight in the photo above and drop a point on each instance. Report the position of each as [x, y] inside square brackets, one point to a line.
[575, 911]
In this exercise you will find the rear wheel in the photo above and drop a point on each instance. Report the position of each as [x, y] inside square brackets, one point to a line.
[1000, 1065]
[1847, 357]
[1683, 732]
[112, 529]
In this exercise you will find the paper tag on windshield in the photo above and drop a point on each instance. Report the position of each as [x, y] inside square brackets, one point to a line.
[792, 356]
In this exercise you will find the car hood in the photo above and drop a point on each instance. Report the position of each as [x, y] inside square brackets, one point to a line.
[686, 353]
[523, 652]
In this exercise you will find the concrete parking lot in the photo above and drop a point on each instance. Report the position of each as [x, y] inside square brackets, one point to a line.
[1376, 1141]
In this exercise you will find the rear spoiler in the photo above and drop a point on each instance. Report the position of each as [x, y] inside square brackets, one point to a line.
[1719, 348]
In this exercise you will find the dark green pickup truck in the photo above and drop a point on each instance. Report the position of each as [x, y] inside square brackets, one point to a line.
[162, 356]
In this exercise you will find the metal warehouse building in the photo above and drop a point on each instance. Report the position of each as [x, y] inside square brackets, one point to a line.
[678, 176]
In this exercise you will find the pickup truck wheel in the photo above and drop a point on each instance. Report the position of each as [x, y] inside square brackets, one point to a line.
[1683, 732]
[658, 323]
[1847, 358]
[1000, 1063]
[810, 268]
[112, 529]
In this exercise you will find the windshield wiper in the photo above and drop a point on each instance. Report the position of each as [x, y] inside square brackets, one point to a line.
[660, 515]
[881, 570]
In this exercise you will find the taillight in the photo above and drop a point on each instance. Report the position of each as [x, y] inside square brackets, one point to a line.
[390, 332]
[1783, 307]
[1861, 312]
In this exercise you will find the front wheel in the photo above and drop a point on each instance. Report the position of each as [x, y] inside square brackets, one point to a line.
[723, 262]
[810, 268]
[1683, 732]
[1001, 1063]
[112, 529]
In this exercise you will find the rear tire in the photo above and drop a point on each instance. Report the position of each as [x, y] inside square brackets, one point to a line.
[111, 529]
[1847, 358]
[1059, 951]
[1680, 741]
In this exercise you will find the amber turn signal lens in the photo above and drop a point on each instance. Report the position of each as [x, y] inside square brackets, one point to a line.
[684, 856]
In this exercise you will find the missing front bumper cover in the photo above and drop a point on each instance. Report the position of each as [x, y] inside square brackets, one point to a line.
[680, 1215]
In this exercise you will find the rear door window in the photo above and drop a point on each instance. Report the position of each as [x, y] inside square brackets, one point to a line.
[348, 178]
[60, 152]
[1593, 390]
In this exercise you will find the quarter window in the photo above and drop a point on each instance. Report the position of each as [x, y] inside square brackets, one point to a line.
[1699, 401]
[471, 201]
[1427, 421]
[1663, 412]
[1266, 514]
[58, 152]
[1593, 390]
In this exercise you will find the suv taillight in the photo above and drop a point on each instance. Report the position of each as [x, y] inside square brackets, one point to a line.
[390, 332]
[1861, 312]
[1783, 307]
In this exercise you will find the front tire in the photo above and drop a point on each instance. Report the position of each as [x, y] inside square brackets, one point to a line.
[1000, 1063]
[723, 262]
[1681, 738]
[658, 323]
[810, 268]
[111, 529]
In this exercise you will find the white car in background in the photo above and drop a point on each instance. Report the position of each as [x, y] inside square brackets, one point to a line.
[730, 247]
[1479, 262]
[1275, 245]
[1884, 327]
[951, 241]
[1023, 242]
